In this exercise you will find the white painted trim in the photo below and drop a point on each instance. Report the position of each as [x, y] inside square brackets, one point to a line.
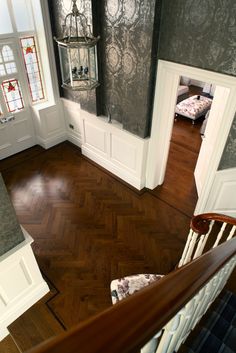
[222, 198]
[120, 152]
[52, 141]
[111, 167]
[75, 139]
[21, 284]
[163, 112]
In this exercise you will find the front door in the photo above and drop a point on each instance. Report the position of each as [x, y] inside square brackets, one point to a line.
[16, 127]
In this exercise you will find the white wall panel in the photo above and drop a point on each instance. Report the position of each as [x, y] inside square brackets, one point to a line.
[95, 137]
[21, 283]
[115, 149]
[222, 197]
[49, 124]
[72, 121]
[123, 152]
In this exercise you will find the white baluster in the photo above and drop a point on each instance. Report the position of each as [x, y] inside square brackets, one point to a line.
[178, 336]
[169, 330]
[181, 262]
[220, 234]
[201, 245]
[231, 234]
[189, 247]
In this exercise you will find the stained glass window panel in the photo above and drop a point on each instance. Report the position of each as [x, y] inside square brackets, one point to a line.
[5, 20]
[12, 95]
[32, 68]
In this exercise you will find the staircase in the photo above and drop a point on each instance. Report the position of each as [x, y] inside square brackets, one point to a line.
[216, 332]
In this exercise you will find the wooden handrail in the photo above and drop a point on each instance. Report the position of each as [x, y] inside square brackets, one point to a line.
[128, 325]
[200, 223]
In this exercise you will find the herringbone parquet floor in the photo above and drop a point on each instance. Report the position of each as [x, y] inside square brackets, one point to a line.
[89, 228]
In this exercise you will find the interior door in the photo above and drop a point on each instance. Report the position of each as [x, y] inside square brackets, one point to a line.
[210, 135]
[16, 127]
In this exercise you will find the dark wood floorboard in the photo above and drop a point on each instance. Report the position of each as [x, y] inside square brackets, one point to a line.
[88, 229]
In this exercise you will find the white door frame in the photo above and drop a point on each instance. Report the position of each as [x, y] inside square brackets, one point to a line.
[167, 82]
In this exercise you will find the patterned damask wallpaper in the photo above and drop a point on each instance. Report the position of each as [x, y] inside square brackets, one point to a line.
[128, 64]
[202, 33]
[126, 59]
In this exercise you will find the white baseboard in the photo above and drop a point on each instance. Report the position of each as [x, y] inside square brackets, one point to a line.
[121, 173]
[76, 140]
[52, 141]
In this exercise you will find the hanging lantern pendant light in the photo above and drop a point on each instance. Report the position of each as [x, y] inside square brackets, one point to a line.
[78, 52]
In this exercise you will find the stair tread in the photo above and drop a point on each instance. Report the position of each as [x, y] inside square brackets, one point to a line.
[216, 332]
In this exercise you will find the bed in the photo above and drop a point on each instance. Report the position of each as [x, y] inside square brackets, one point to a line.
[193, 107]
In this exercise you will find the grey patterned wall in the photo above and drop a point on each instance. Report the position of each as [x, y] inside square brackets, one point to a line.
[228, 159]
[127, 55]
[202, 33]
[128, 62]
[10, 231]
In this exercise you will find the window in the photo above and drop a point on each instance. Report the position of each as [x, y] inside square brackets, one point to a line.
[18, 88]
[32, 68]
[7, 61]
[5, 20]
[12, 95]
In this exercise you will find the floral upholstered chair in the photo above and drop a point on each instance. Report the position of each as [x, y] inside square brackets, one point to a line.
[126, 286]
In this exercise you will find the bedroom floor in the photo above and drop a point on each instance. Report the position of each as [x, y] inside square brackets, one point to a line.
[179, 185]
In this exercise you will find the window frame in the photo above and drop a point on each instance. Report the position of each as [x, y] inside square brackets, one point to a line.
[14, 38]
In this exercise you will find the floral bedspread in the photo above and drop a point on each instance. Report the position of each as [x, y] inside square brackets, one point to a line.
[192, 107]
[126, 286]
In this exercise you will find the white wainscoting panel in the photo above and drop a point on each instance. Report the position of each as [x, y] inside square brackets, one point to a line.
[95, 137]
[49, 124]
[222, 197]
[115, 149]
[6, 147]
[120, 152]
[72, 121]
[123, 152]
[21, 283]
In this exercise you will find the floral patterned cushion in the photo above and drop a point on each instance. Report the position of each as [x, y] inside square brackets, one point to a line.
[126, 286]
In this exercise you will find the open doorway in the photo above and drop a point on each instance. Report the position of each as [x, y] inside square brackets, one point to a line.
[179, 186]
[217, 131]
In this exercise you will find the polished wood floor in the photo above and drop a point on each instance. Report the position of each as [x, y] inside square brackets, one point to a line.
[90, 228]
